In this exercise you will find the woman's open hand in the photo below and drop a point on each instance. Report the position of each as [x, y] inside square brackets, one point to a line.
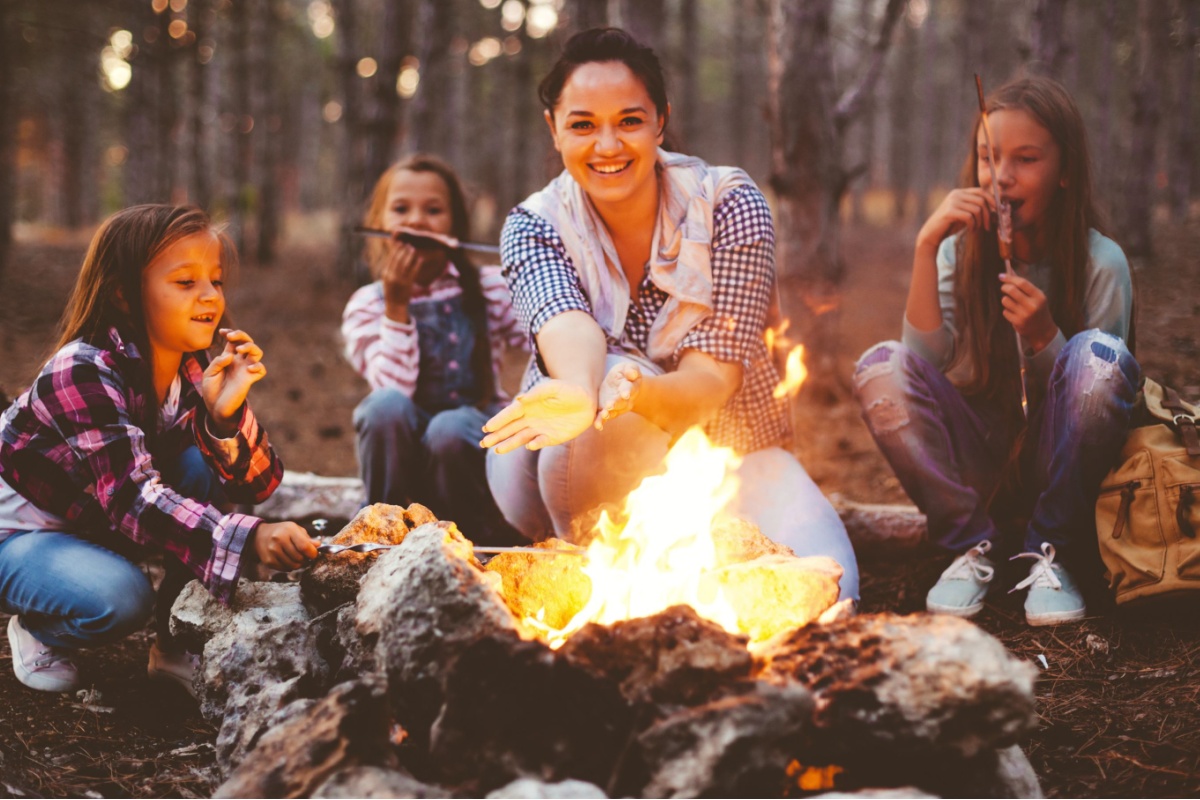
[1026, 307]
[228, 379]
[618, 392]
[550, 413]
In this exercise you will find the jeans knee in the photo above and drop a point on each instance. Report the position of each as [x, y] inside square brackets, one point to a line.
[192, 477]
[119, 608]
[879, 385]
[1095, 361]
[452, 434]
[385, 410]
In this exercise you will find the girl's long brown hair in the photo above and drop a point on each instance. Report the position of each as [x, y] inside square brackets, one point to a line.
[990, 344]
[108, 292]
[121, 249]
[474, 303]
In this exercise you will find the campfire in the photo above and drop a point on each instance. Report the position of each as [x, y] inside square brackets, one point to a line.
[666, 550]
[678, 653]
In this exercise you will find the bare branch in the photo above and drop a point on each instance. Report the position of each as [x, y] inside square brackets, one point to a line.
[852, 100]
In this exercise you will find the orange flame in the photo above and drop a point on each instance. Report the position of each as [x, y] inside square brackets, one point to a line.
[664, 554]
[795, 374]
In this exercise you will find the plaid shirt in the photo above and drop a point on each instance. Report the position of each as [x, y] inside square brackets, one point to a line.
[75, 445]
[545, 284]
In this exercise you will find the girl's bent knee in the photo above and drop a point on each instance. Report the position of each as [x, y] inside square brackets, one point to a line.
[881, 362]
[384, 409]
[1098, 359]
[121, 608]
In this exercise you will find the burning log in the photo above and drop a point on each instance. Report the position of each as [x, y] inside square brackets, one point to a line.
[513, 708]
[332, 581]
[675, 657]
[909, 686]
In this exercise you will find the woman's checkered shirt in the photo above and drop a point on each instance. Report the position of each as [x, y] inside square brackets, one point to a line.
[544, 284]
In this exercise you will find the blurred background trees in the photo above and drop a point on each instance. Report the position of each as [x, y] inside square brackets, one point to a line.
[269, 111]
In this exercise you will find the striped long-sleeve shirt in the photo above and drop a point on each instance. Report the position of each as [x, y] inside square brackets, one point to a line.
[386, 352]
[75, 445]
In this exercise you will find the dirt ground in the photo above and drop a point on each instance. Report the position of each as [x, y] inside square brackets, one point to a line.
[1119, 694]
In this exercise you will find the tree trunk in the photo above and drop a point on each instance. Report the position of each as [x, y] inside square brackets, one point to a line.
[866, 130]
[270, 125]
[144, 163]
[807, 128]
[1106, 166]
[524, 115]
[202, 19]
[10, 43]
[743, 110]
[1139, 194]
[806, 175]
[241, 63]
[431, 124]
[384, 125]
[927, 126]
[76, 116]
[688, 113]
[647, 21]
[1047, 40]
[353, 166]
[903, 99]
[586, 14]
[1184, 150]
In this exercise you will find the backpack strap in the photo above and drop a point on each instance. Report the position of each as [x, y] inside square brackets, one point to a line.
[1184, 420]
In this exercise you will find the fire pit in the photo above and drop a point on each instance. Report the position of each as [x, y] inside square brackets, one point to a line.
[678, 653]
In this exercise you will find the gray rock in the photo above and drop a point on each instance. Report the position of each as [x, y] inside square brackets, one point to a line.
[922, 684]
[348, 727]
[261, 654]
[537, 790]
[420, 605]
[1015, 776]
[197, 616]
[375, 782]
[733, 747]
[876, 794]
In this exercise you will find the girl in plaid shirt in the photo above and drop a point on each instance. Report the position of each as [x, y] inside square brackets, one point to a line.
[120, 446]
[644, 279]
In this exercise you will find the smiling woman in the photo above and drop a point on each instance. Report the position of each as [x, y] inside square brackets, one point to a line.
[643, 278]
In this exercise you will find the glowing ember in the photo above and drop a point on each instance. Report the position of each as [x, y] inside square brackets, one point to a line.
[795, 374]
[664, 554]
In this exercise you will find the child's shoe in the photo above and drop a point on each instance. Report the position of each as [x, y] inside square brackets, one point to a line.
[1053, 596]
[179, 667]
[40, 666]
[964, 584]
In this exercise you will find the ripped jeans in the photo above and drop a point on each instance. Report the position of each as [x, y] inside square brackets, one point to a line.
[949, 451]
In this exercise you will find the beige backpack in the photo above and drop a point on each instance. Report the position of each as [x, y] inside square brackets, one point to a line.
[1148, 513]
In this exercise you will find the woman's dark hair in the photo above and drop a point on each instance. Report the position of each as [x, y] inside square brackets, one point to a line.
[600, 45]
[474, 303]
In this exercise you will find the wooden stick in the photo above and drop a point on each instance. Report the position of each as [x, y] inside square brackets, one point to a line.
[1005, 246]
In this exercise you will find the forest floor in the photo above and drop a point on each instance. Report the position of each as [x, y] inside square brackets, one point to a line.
[1119, 695]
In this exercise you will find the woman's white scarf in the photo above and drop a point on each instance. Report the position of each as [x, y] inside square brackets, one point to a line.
[680, 252]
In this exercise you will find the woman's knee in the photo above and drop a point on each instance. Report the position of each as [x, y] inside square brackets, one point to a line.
[1096, 357]
[881, 385]
[385, 410]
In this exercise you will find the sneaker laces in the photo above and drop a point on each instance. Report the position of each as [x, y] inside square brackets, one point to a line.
[51, 656]
[1042, 575]
[967, 566]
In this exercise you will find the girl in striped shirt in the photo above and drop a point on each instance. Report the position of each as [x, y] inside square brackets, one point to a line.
[428, 335]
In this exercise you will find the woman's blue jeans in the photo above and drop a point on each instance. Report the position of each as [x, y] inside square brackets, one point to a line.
[70, 592]
[406, 455]
[558, 490]
[949, 451]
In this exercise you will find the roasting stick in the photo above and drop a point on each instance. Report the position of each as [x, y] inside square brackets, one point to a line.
[1004, 234]
[370, 547]
[418, 239]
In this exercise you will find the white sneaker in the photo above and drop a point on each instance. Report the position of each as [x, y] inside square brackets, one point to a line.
[40, 666]
[1053, 596]
[964, 584]
[178, 667]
